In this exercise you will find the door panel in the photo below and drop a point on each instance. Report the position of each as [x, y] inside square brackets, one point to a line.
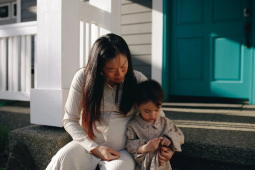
[208, 56]
[227, 58]
[193, 53]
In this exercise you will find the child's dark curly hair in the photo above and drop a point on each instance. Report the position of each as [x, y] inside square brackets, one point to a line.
[149, 90]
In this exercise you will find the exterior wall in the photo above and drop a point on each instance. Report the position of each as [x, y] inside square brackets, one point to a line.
[28, 10]
[136, 29]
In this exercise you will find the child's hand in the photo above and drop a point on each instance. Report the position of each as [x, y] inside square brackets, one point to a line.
[152, 144]
[165, 141]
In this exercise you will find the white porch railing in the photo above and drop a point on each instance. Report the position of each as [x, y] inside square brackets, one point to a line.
[94, 22]
[16, 51]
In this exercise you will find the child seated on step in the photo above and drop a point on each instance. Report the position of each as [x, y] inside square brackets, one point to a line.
[148, 131]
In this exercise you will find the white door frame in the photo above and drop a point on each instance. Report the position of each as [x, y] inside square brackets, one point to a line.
[157, 40]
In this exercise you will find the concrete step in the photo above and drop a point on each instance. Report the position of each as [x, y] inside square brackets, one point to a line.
[14, 114]
[223, 138]
[43, 142]
[220, 137]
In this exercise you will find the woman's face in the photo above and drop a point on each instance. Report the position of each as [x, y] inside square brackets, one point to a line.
[116, 69]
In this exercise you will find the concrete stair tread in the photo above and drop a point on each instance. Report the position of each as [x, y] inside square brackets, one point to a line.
[223, 135]
[15, 106]
[209, 106]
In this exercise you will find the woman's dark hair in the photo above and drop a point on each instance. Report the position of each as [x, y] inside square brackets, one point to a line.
[149, 90]
[105, 48]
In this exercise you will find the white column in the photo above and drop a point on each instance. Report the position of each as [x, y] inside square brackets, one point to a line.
[157, 40]
[57, 59]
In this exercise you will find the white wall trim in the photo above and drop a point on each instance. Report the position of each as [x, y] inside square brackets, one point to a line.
[18, 17]
[18, 29]
[12, 11]
[157, 40]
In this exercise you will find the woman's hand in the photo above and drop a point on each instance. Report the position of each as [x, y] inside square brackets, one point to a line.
[105, 153]
[165, 141]
[165, 154]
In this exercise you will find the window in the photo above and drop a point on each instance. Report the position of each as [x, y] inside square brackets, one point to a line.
[4, 11]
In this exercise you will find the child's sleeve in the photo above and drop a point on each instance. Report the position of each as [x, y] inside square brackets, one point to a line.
[175, 134]
[133, 144]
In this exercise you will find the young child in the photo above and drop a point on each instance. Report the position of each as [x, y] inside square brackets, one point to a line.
[148, 131]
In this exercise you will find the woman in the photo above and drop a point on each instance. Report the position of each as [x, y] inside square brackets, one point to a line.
[98, 108]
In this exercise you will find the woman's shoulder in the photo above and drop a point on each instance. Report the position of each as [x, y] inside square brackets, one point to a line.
[78, 76]
[79, 73]
[139, 76]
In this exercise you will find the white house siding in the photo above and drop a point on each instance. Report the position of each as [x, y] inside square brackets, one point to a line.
[136, 29]
[28, 10]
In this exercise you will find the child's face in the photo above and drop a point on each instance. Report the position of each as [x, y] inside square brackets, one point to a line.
[149, 111]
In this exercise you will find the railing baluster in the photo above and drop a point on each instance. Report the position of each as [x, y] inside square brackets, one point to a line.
[98, 31]
[35, 62]
[23, 64]
[84, 45]
[15, 65]
[10, 64]
[82, 59]
[90, 44]
[93, 33]
[28, 63]
[3, 56]
[87, 38]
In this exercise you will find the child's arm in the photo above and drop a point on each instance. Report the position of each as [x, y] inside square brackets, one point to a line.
[133, 144]
[150, 146]
[175, 135]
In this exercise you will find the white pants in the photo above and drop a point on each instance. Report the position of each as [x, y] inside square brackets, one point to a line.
[74, 157]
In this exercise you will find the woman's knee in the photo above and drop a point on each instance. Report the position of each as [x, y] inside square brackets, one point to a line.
[69, 150]
[124, 162]
[73, 156]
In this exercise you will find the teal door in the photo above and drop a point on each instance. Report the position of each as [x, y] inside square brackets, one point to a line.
[207, 53]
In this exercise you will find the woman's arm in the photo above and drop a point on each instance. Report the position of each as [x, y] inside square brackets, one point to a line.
[73, 127]
[165, 154]
[72, 113]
